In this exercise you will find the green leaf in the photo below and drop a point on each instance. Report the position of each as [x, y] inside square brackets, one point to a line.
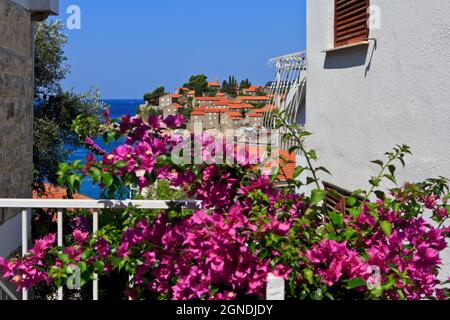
[87, 254]
[99, 266]
[96, 174]
[317, 196]
[386, 227]
[356, 283]
[380, 195]
[275, 175]
[336, 218]
[298, 171]
[350, 201]
[107, 179]
[378, 162]
[308, 275]
[392, 169]
[312, 154]
[64, 258]
[391, 178]
[71, 182]
[375, 182]
[120, 164]
[349, 233]
[323, 169]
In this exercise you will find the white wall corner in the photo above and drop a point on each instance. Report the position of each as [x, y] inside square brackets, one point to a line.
[41, 7]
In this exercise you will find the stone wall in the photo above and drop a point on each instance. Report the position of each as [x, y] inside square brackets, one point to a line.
[16, 107]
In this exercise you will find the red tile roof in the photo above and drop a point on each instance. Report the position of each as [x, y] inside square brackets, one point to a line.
[214, 84]
[223, 102]
[56, 192]
[210, 98]
[255, 115]
[240, 106]
[252, 98]
[174, 95]
[253, 89]
[288, 168]
[176, 105]
[212, 110]
[268, 108]
[197, 113]
[234, 114]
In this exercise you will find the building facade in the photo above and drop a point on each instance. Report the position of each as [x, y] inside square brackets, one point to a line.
[387, 87]
[16, 108]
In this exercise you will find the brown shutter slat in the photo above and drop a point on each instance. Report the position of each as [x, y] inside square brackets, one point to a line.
[351, 21]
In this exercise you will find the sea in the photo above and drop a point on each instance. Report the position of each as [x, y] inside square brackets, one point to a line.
[118, 108]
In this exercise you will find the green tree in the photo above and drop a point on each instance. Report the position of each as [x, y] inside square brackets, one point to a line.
[54, 109]
[153, 97]
[199, 83]
[245, 84]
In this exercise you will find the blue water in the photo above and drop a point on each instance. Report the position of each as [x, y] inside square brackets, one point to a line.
[118, 108]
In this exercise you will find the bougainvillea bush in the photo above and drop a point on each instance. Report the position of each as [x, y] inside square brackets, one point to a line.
[374, 245]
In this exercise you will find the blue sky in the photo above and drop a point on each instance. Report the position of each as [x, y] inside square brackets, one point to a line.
[126, 48]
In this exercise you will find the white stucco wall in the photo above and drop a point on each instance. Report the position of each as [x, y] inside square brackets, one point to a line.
[362, 101]
[11, 235]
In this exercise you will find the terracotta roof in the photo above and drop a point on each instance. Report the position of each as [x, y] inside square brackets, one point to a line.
[220, 94]
[252, 98]
[191, 92]
[223, 102]
[255, 115]
[183, 89]
[56, 192]
[210, 98]
[198, 109]
[240, 106]
[176, 105]
[174, 95]
[197, 113]
[213, 84]
[253, 89]
[288, 167]
[212, 110]
[234, 114]
[268, 108]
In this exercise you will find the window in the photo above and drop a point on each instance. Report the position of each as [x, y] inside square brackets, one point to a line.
[351, 22]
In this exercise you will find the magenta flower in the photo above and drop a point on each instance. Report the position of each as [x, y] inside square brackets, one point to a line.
[102, 248]
[173, 122]
[80, 236]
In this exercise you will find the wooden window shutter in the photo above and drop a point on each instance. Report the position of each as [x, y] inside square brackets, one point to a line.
[350, 21]
[336, 198]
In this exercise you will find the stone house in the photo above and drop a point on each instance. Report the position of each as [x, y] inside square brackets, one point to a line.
[254, 120]
[169, 99]
[17, 18]
[171, 110]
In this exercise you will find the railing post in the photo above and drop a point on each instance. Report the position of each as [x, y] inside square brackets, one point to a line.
[25, 214]
[275, 290]
[60, 244]
[95, 282]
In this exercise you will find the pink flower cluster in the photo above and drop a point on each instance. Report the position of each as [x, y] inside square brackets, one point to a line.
[31, 270]
[335, 261]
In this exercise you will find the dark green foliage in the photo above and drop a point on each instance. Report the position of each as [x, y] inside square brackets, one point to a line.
[55, 110]
[153, 97]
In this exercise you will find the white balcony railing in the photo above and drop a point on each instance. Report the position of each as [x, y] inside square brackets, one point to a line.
[275, 286]
[28, 204]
